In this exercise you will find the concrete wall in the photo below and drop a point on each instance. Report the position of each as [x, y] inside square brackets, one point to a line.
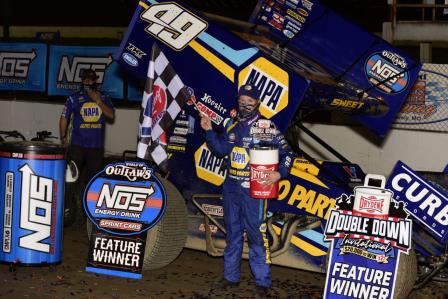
[29, 118]
[420, 150]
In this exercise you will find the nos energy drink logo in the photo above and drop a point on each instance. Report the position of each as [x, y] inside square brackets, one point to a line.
[36, 210]
[125, 198]
[69, 72]
[273, 83]
[14, 66]
[388, 68]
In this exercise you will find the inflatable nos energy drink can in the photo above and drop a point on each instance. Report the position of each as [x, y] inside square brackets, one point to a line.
[263, 159]
[32, 178]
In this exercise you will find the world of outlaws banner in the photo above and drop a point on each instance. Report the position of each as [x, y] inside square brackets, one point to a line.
[123, 202]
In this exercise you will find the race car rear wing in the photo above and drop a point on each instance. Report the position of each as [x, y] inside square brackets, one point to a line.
[349, 69]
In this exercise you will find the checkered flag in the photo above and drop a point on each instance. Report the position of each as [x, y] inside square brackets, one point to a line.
[163, 99]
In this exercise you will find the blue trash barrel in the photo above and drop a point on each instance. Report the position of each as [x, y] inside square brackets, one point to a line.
[32, 176]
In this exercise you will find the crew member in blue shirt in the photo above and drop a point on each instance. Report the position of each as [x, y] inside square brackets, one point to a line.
[86, 112]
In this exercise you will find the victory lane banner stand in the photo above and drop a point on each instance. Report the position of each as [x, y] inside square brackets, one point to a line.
[123, 202]
[368, 233]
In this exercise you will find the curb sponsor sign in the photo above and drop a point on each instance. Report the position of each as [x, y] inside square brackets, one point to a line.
[369, 231]
[427, 204]
[123, 202]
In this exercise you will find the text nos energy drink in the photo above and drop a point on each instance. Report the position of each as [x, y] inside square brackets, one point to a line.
[32, 178]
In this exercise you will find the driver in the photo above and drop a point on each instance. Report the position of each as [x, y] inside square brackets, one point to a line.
[241, 211]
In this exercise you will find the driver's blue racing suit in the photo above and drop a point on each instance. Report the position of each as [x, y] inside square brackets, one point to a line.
[241, 211]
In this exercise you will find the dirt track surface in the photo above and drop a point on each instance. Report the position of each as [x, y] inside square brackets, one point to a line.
[189, 276]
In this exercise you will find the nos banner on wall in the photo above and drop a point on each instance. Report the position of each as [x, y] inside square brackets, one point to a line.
[23, 66]
[426, 107]
[67, 63]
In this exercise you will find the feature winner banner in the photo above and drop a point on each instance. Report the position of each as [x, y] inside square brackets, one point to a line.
[123, 202]
[23, 66]
[67, 64]
[368, 231]
[426, 107]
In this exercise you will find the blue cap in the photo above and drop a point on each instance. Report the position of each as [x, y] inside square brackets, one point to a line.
[249, 90]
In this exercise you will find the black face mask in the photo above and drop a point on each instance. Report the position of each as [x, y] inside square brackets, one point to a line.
[246, 110]
[89, 87]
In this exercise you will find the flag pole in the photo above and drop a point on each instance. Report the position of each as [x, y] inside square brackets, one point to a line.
[197, 108]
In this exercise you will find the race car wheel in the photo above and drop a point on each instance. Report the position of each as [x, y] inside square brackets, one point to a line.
[406, 275]
[166, 239]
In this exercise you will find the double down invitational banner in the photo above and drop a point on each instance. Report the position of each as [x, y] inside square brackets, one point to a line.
[426, 107]
[123, 202]
[368, 231]
[67, 64]
[23, 66]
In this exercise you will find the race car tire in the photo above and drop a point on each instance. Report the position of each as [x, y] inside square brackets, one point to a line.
[406, 275]
[167, 238]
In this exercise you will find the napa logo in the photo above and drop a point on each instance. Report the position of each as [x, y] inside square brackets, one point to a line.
[239, 158]
[90, 112]
[130, 59]
[272, 82]
[209, 167]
